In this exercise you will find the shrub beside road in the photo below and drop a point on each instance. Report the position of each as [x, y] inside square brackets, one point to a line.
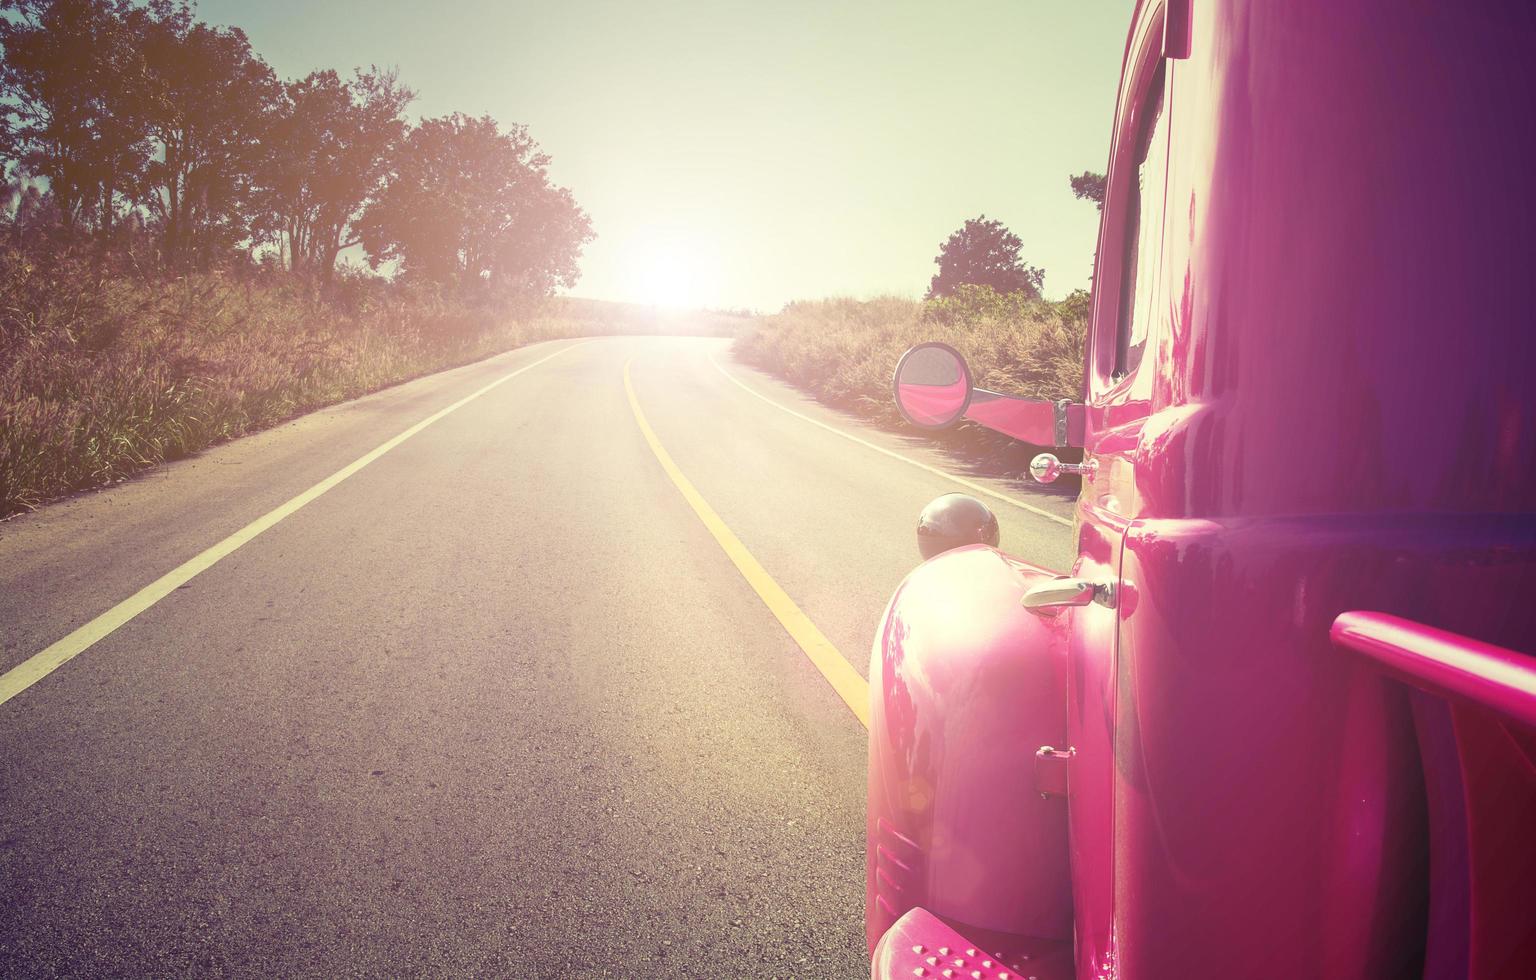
[844, 351]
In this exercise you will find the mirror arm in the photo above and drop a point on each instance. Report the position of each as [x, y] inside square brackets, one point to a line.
[1035, 421]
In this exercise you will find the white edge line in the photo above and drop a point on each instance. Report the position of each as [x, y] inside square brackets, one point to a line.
[40, 665]
[886, 452]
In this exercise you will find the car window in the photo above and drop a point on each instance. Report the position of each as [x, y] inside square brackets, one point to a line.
[1143, 235]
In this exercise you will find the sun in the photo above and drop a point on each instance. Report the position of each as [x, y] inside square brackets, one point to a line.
[664, 270]
[668, 281]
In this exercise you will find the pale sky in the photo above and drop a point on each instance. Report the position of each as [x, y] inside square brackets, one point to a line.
[744, 154]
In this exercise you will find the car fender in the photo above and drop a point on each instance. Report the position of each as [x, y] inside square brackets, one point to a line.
[965, 686]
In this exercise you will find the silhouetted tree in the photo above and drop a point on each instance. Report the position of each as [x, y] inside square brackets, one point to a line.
[467, 202]
[984, 253]
[208, 102]
[1088, 186]
[327, 151]
[71, 118]
[132, 121]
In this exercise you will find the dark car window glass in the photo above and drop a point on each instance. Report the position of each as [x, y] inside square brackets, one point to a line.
[1143, 234]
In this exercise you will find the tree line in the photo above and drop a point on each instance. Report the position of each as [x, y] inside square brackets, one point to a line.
[133, 127]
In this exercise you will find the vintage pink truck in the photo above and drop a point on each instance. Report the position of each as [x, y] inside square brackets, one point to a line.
[1279, 718]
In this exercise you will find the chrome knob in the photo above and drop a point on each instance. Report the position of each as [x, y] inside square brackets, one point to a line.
[1046, 468]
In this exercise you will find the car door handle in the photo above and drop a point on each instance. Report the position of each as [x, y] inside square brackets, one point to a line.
[1065, 591]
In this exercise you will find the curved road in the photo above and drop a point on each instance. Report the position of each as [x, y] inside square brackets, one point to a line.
[498, 702]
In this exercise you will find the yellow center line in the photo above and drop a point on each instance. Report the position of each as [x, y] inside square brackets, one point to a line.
[853, 689]
[976, 487]
[40, 665]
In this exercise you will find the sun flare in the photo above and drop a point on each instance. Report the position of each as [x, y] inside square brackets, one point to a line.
[666, 272]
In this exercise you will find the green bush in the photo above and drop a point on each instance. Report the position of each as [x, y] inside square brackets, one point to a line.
[845, 351]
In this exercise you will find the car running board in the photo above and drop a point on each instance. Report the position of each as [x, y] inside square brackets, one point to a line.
[920, 944]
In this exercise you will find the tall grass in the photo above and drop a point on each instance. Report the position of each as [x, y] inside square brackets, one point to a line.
[102, 375]
[844, 351]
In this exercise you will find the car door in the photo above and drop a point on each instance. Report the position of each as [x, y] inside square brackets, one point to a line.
[1119, 375]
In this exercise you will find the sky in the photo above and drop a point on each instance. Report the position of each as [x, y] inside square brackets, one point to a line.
[743, 155]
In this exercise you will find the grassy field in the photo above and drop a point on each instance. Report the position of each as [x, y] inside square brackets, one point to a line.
[844, 351]
[102, 376]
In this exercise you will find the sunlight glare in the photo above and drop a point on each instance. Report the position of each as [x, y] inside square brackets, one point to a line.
[665, 272]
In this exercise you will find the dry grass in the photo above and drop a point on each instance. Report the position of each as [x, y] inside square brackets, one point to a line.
[844, 351]
[101, 376]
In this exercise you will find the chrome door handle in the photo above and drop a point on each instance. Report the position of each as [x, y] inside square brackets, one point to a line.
[1065, 591]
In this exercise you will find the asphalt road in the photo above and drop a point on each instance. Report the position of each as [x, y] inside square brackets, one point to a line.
[497, 703]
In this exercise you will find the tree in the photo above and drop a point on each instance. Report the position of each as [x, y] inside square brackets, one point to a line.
[984, 253]
[67, 82]
[327, 154]
[208, 101]
[466, 202]
[1088, 186]
[134, 113]
[541, 249]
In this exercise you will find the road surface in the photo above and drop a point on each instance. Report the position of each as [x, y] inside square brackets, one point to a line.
[499, 701]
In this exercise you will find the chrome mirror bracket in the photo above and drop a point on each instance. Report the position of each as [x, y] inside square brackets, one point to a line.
[1046, 468]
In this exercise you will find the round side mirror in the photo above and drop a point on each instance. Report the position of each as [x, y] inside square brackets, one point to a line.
[933, 386]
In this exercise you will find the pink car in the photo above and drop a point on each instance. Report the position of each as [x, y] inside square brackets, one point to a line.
[1280, 718]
